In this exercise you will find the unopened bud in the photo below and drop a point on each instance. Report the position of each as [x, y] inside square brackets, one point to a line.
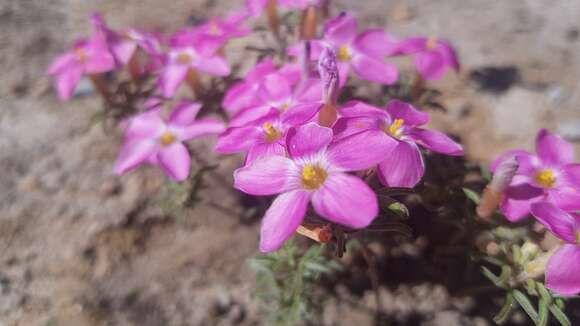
[493, 193]
[318, 233]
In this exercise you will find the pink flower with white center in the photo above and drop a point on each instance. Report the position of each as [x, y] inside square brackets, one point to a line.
[183, 58]
[563, 270]
[255, 8]
[401, 123]
[433, 56]
[148, 138]
[220, 29]
[314, 171]
[550, 175]
[88, 57]
[364, 52]
[246, 93]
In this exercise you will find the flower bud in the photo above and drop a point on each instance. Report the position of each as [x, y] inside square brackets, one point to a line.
[493, 193]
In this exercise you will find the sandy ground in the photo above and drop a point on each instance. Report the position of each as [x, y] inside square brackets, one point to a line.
[79, 247]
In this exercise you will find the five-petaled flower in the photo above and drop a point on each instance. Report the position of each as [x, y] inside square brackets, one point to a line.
[148, 138]
[399, 126]
[314, 171]
[549, 176]
[433, 56]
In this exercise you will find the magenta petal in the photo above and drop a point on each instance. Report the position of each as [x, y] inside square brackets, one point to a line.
[275, 88]
[410, 115]
[375, 70]
[347, 200]
[404, 167]
[61, 63]
[436, 141]
[431, 64]
[199, 128]
[175, 161]
[345, 127]
[184, 113]
[262, 150]
[567, 198]
[563, 271]
[67, 81]
[552, 149]
[261, 70]
[571, 175]
[215, 65]
[519, 196]
[250, 114]
[282, 219]
[449, 54]
[134, 153]
[307, 140]
[301, 113]
[556, 220]
[358, 108]
[267, 176]
[375, 43]
[145, 125]
[361, 151]
[341, 29]
[256, 7]
[171, 78]
[238, 139]
[527, 163]
[412, 45]
[239, 96]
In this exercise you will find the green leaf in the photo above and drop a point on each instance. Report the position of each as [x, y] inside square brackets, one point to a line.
[491, 276]
[544, 293]
[472, 195]
[505, 312]
[526, 304]
[400, 209]
[560, 315]
[544, 314]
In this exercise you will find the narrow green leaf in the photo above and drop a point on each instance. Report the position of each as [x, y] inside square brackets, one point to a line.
[505, 312]
[560, 315]
[490, 275]
[526, 304]
[472, 195]
[544, 293]
[506, 273]
[544, 314]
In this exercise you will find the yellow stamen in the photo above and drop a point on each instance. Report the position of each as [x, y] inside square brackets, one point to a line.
[432, 43]
[395, 128]
[167, 139]
[344, 53]
[313, 176]
[272, 134]
[184, 58]
[578, 238]
[546, 178]
[284, 107]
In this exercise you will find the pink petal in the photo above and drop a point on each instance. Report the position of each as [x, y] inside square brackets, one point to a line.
[309, 91]
[527, 163]
[301, 113]
[267, 176]
[67, 81]
[261, 70]
[358, 108]
[347, 200]
[240, 96]
[341, 29]
[552, 149]
[238, 139]
[145, 125]
[403, 168]
[431, 64]
[412, 45]
[134, 153]
[250, 114]
[571, 175]
[518, 199]
[256, 7]
[563, 271]
[556, 220]
[345, 127]
[436, 141]
[282, 219]
[216, 66]
[343, 72]
[567, 198]
[124, 50]
[375, 70]
[307, 140]
[61, 63]
[171, 78]
[262, 150]
[361, 151]
[275, 88]
[199, 128]
[375, 43]
[411, 116]
[175, 161]
[449, 54]
[184, 113]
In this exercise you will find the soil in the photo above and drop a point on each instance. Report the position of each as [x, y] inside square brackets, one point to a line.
[80, 246]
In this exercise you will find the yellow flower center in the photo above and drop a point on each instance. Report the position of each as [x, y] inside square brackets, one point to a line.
[284, 107]
[184, 59]
[546, 178]
[578, 238]
[272, 134]
[432, 43]
[395, 128]
[313, 176]
[167, 139]
[344, 53]
[81, 54]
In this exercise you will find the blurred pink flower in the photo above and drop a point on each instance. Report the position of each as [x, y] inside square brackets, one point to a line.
[548, 176]
[255, 8]
[150, 139]
[563, 270]
[400, 127]
[315, 170]
[221, 30]
[433, 56]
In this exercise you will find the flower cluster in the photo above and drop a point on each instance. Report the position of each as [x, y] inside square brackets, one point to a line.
[547, 185]
[301, 142]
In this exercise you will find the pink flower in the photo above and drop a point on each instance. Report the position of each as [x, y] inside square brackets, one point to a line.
[364, 52]
[90, 56]
[256, 7]
[183, 57]
[400, 124]
[549, 176]
[315, 170]
[148, 138]
[220, 29]
[563, 270]
[433, 56]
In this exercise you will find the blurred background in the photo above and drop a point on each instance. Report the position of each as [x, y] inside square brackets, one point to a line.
[78, 246]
